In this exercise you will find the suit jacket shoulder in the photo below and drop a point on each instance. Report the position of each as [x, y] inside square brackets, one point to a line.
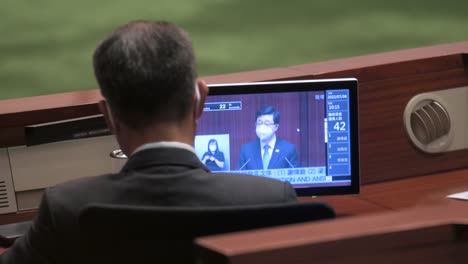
[163, 177]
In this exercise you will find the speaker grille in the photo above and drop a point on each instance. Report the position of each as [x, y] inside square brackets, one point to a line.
[4, 202]
[430, 121]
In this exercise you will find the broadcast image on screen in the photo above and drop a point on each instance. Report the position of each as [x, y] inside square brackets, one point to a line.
[213, 151]
[303, 132]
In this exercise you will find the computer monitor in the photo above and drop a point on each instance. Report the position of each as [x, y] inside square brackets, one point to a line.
[309, 128]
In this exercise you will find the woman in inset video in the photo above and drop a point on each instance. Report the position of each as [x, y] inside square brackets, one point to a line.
[213, 158]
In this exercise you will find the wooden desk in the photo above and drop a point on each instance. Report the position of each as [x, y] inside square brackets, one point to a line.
[419, 235]
[410, 221]
[402, 221]
[400, 194]
[417, 191]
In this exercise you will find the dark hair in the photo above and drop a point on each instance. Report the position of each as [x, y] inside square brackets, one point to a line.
[146, 70]
[269, 110]
[213, 141]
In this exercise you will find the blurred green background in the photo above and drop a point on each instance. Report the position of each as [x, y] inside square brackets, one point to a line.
[46, 45]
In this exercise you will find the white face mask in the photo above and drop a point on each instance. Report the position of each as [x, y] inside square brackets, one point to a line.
[264, 132]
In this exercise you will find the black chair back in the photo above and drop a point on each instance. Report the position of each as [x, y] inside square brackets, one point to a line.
[138, 234]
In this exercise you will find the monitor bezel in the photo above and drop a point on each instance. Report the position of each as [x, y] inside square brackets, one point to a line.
[350, 84]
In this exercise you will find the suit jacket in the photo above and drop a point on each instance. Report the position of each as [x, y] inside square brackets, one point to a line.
[160, 176]
[284, 155]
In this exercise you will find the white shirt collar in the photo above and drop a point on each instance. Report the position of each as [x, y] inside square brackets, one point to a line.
[164, 144]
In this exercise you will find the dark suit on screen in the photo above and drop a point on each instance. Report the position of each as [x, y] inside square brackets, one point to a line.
[158, 176]
[284, 155]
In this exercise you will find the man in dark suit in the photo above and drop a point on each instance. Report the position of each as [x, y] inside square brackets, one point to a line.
[147, 76]
[267, 151]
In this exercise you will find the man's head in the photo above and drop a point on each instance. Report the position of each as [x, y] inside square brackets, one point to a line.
[146, 72]
[267, 122]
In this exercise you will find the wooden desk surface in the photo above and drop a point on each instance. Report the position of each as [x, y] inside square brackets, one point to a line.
[416, 191]
[437, 229]
[400, 194]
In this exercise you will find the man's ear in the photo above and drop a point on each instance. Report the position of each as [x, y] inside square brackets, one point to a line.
[108, 116]
[202, 94]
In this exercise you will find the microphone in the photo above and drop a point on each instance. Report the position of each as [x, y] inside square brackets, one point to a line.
[244, 164]
[290, 164]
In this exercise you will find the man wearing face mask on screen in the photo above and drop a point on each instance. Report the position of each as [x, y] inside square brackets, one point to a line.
[268, 151]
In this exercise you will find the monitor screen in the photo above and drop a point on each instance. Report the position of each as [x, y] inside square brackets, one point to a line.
[304, 132]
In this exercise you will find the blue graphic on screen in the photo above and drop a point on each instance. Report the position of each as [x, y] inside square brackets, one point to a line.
[338, 134]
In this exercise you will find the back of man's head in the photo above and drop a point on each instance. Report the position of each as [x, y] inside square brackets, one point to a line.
[146, 71]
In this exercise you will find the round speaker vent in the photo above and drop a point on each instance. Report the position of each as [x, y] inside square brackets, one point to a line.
[427, 123]
[430, 122]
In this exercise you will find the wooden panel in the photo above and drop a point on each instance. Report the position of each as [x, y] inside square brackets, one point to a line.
[17, 113]
[17, 217]
[12, 136]
[385, 150]
[390, 59]
[453, 252]
[404, 236]
[381, 66]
